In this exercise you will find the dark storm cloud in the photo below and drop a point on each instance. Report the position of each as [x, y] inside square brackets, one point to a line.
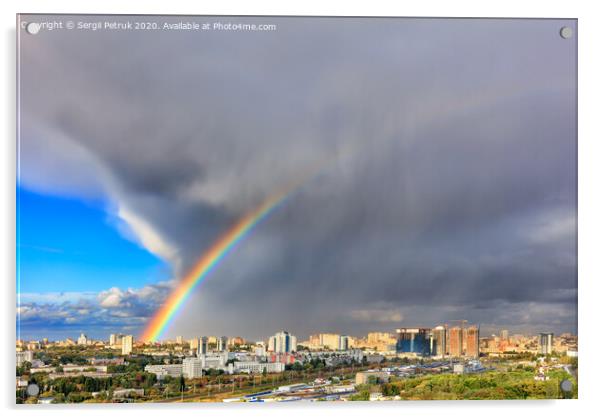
[163, 180]
[449, 188]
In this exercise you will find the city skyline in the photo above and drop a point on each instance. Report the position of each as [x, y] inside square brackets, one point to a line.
[438, 186]
[484, 333]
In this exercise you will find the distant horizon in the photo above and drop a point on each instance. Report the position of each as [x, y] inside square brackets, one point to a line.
[300, 338]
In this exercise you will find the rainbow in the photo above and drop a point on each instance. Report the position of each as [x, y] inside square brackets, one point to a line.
[209, 260]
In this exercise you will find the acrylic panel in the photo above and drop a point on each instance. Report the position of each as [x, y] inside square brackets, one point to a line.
[289, 208]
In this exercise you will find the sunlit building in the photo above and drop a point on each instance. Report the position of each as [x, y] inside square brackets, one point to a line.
[329, 341]
[378, 337]
[222, 343]
[192, 367]
[438, 341]
[214, 360]
[471, 340]
[236, 341]
[127, 343]
[202, 345]
[82, 339]
[454, 341]
[253, 367]
[504, 334]
[546, 343]
[282, 342]
[414, 341]
[23, 356]
[343, 343]
[115, 340]
[162, 370]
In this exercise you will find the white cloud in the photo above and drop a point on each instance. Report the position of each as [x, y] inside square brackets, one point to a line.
[113, 306]
[150, 238]
[110, 298]
[51, 161]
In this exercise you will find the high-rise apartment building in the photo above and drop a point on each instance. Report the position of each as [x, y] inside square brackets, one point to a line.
[202, 346]
[414, 340]
[378, 337]
[222, 344]
[329, 341]
[546, 343]
[454, 341]
[194, 343]
[504, 335]
[471, 341]
[282, 342]
[115, 339]
[314, 341]
[343, 343]
[236, 341]
[439, 341]
[127, 344]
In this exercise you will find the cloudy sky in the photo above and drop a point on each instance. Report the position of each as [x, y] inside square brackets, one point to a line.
[446, 189]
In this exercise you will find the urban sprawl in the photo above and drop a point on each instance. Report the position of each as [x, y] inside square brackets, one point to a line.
[451, 361]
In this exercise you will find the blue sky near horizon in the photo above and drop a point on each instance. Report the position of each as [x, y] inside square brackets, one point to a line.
[66, 244]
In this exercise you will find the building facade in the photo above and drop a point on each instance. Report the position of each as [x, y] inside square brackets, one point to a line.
[254, 367]
[546, 343]
[282, 342]
[413, 341]
[471, 339]
[455, 341]
[127, 344]
[343, 343]
[222, 344]
[202, 346]
[192, 367]
[23, 356]
[162, 370]
[439, 341]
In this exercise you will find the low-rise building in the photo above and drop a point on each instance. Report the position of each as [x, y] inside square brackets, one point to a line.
[192, 367]
[70, 368]
[374, 358]
[106, 361]
[253, 367]
[214, 360]
[23, 356]
[162, 370]
[125, 393]
[42, 369]
[367, 376]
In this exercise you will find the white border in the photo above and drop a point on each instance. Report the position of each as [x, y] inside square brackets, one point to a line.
[590, 202]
